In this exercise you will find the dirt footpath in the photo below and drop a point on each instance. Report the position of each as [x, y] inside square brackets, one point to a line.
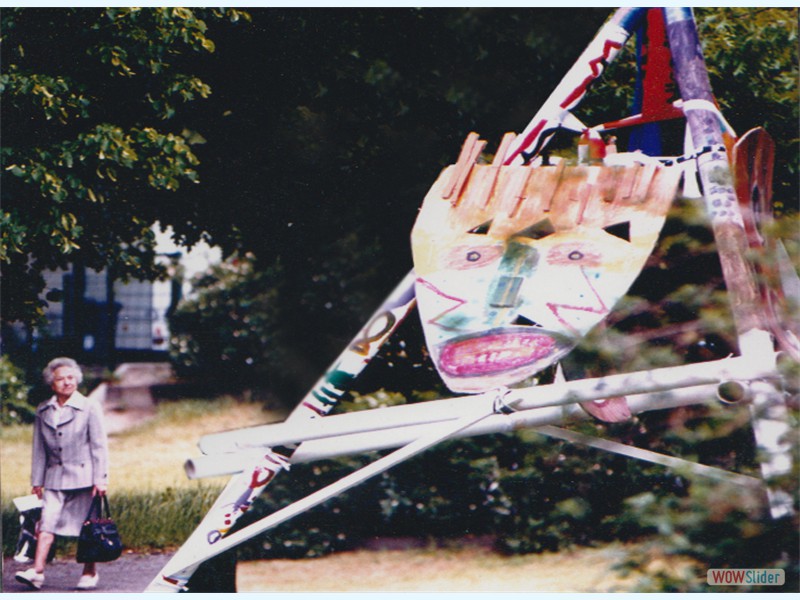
[129, 573]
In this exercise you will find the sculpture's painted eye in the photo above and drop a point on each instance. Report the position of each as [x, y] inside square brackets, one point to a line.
[472, 257]
[574, 253]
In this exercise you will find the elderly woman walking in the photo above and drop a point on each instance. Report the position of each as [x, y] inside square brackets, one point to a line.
[69, 466]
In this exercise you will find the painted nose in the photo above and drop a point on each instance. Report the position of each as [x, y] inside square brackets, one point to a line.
[518, 262]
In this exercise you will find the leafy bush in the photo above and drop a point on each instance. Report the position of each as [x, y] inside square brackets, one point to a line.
[556, 495]
[716, 526]
[14, 394]
[225, 332]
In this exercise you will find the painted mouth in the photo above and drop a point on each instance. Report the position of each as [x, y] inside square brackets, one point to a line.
[495, 351]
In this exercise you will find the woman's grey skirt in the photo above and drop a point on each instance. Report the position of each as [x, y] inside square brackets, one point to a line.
[64, 511]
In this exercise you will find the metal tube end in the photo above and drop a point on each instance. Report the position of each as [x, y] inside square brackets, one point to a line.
[734, 392]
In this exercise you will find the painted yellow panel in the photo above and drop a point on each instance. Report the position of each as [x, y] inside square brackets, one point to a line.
[515, 263]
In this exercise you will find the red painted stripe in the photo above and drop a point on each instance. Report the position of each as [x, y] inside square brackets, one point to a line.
[529, 139]
[315, 409]
[594, 64]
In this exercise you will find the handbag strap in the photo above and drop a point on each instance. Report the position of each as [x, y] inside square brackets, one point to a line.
[95, 509]
[105, 505]
[99, 507]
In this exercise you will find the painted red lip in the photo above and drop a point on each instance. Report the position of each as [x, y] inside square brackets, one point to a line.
[495, 352]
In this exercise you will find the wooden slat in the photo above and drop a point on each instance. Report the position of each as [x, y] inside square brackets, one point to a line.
[461, 163]
[609, 178]
[567, 202]
[753, 165]
[643, 182]
[470, 152]
[590, 192]
[520, 193]
[497, 163]
[626, 183]
[557, 181]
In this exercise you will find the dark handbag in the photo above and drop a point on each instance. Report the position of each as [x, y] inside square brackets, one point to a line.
[99, 540]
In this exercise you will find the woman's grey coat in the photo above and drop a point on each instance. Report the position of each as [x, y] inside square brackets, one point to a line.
[73, 453]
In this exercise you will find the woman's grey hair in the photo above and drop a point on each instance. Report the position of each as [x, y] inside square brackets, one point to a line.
[63, 361]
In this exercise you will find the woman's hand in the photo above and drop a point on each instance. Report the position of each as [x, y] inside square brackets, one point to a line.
[99, 490]
[38, 490]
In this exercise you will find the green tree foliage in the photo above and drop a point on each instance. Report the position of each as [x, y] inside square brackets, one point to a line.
[231, 332]
[752, 58]
[716, 526]
[325, 129]
[13, 394]
[91, 147]
[310, 138]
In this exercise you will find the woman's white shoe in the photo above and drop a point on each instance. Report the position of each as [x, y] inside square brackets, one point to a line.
[30, 577]
[88, 582]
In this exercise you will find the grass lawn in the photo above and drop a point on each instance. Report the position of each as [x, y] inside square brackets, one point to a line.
[465, 569]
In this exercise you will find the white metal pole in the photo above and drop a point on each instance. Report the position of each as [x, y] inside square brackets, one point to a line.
[556, 394]
[600, 52]
[402, 434]
[240, 492]
[671, 462]
[441, 432]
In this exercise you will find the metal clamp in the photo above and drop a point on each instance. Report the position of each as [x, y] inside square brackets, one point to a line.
[500, 405]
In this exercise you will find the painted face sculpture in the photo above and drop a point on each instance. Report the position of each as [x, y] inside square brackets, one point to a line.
[514, 263]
